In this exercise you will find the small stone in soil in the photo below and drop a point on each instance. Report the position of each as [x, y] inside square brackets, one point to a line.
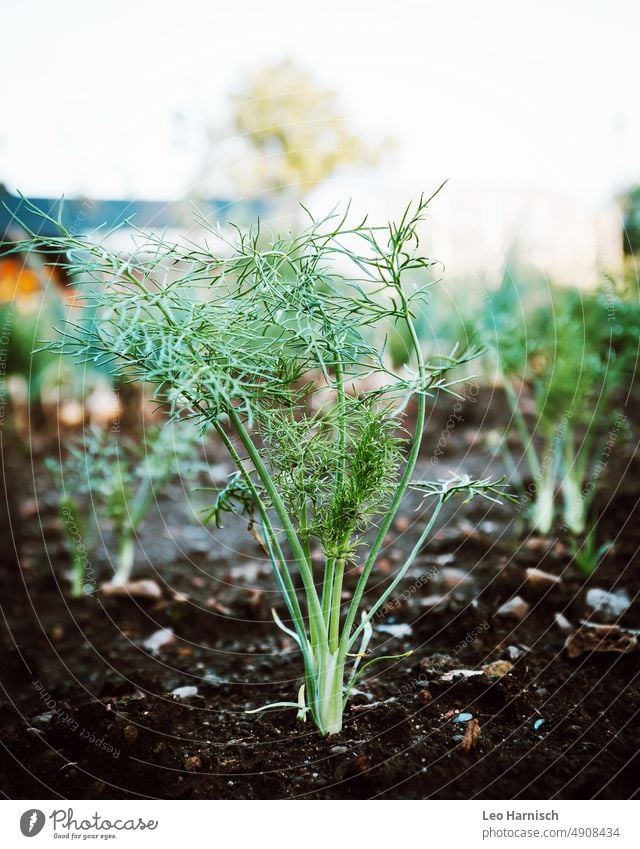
[515, 652]
[400, 630]
[498, 668]
[401, 524]
[462, 717]
[540, 581]
[159, 639]
[460, 673]
[130, 734]
[515, 608]
[563, 623]
[136, 589]
[338, 750]
[451, 577]
[192, 763]
[432, 601]
[42, 718]
[185, 692]
[607, 606]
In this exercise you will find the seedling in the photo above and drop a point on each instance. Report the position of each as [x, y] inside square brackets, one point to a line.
[271, 346]
[567, 360]
[587, 554]
[112, 479]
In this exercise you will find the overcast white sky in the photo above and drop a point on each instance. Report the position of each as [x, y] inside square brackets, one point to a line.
[503, 93]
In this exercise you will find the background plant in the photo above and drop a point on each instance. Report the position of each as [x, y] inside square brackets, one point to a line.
[564, 366]
[110, 478]
[271, 347]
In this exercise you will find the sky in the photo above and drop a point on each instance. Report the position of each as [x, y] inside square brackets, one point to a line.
[108, 99]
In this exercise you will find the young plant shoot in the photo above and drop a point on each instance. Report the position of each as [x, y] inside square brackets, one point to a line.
[562, 372]
[111, 478]
[272, 345]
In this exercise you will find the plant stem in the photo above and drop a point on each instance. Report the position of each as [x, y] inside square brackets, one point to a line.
[316, 622]
[521, 427]
[126, 555]
[330, 684]
[542, 507]
[574, 503]
[336, 603]
[412, 459]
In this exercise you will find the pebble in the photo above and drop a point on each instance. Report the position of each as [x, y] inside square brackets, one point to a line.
[563, 623]
[463, 717]
[460, 673]
[136, 589]
[450, 577]
[444, 559]
[498, 668]
[515, 652]
[540, 581]
[400, 630]
[515, 608]
[159, 640]
[185, 692]
[401, 524]
[338, 750]
[433, 601]
[192, 763]
[130, 734]
[42, 718]
[608, 606]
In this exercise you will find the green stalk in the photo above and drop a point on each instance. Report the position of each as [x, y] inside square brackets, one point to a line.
[412, 459]
[327, 586]
[401, 573]
[336, 599]
[521, 427]
[276, 554]
[542, 508]
[330, 685]
[72, 524]
[575, 505]
[126, 556]
[316, 622]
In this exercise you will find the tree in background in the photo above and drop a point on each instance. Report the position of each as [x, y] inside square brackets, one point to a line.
[291, 132]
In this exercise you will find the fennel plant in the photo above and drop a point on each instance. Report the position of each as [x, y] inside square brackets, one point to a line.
[572, 358]
[273, 346]
[105, 477]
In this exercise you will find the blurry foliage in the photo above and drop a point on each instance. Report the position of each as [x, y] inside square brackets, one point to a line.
[293, 129]
[565, 365]
[111, 478]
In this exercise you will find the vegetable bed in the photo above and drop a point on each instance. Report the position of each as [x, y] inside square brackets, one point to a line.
[505, 694]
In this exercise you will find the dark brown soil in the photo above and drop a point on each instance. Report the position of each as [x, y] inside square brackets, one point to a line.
[88, 712]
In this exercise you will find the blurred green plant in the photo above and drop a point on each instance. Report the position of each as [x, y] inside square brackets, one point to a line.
[276, 356]
[586, 553]
[564, 367]
[112, 478]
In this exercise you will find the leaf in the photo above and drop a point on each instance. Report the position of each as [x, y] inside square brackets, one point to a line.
[471, 736]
